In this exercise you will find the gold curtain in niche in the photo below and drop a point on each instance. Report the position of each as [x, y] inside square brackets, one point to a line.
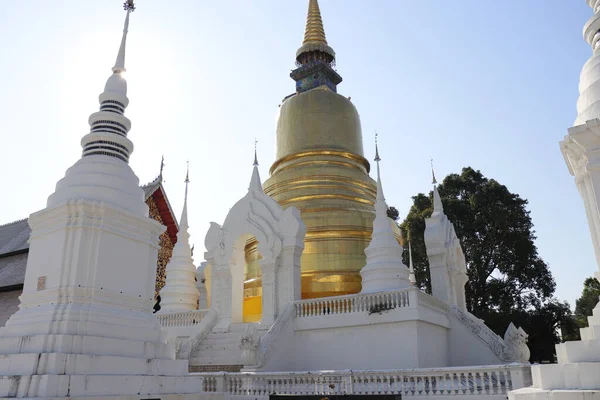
[252, 282]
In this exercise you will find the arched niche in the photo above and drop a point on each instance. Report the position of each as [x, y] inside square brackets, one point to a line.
[280, 235]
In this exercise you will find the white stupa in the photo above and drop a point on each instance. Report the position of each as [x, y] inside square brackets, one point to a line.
[384, 269]
[180, 292]
[85, 326]
[577, 374]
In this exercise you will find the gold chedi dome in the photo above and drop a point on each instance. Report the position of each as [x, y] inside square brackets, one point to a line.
[320, 169]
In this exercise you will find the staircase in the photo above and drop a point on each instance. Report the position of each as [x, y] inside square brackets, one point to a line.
[220, 351]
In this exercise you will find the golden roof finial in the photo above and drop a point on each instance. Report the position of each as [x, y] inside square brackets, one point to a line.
[314, 33]
[314, 37]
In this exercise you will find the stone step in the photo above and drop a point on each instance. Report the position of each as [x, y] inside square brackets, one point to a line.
[583, 376]
[594, 319]
[85, 364]
[239, 327]
[216, 368]
[92, 345]
[587, 334]
[222, 339]
[578, 351]
[217, 356]
[217, 349]
[219, 353]
[97, 385]
[590, 333]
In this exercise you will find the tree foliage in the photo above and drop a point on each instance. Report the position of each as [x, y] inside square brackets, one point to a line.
[393, 213]
[508, 280]
[588, 300]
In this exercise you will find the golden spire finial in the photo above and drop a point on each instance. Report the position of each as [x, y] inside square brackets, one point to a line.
[314, 47]
[314, 33]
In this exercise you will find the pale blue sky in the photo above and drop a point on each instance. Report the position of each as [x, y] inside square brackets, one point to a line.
[489, 84]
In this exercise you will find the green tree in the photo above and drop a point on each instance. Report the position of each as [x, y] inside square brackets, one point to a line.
[588, 300]
[393, 213]
[508, 281]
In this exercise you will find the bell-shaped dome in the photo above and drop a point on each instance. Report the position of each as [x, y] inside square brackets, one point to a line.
[116, 84]
[318, 118]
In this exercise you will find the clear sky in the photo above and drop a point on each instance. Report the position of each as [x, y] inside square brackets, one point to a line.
[486, 84]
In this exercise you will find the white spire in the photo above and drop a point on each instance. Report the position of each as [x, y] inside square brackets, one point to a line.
[438, 208]
[437, 201]
[384, 269]
[110, 125]
[380, 196]
[411, 268]
[255, 184]
[106, 150]
[120, 63]
[184, 216]
[180, 292]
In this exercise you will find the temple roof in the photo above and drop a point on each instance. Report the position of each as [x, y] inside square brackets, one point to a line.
[156, 190]
[14, 237]
[12, 270]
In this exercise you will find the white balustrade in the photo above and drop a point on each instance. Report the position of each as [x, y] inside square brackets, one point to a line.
[486, 381]
[185, 318]
[370, 303]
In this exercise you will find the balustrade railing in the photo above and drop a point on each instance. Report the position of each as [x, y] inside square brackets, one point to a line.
[185, 318]
[371, 303]
[454, 381]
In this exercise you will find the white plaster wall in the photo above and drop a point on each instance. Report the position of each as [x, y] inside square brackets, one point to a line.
[467, 349]
[405, 338]
[387, 341]
[433, 345]
[9, 304]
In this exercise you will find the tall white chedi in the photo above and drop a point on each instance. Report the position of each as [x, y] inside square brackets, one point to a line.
[180, 292]
[578, 368]
[85, 325]
[384, 269]
[581, 147]
[447, 264]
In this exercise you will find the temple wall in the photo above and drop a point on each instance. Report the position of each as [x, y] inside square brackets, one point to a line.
[394, 340]
[9, 304]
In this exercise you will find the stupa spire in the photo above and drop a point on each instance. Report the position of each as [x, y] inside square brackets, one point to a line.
[411, 268]
[119, 67]
[255, 155]
[315, 58]
[437, 200]
[255, 184]
[184, 214]
[109, 126]
[314, 32]
[380, 196]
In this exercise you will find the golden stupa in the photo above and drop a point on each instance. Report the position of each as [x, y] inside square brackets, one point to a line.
[320, 169]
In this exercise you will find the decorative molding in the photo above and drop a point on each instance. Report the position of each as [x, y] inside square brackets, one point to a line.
[320, 153]
[479, 329]
[268, 341]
